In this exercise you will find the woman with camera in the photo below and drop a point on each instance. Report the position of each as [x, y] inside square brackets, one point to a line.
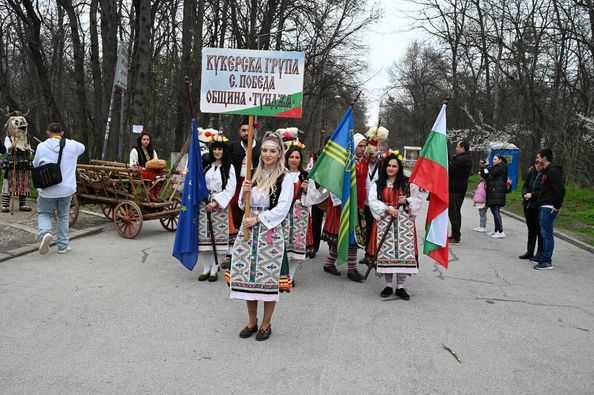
[496, 178]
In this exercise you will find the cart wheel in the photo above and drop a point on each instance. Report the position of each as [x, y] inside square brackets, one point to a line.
[107, 210]
[127, 219]
[170, 223]
[74, 208]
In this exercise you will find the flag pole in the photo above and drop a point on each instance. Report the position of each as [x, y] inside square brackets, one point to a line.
[248, 174]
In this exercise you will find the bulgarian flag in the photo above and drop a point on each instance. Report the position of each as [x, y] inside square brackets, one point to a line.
[431, 173]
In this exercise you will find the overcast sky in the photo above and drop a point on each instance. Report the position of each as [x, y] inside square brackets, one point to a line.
[387, 42]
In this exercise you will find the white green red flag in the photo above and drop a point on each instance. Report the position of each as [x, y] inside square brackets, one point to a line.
[431, 173]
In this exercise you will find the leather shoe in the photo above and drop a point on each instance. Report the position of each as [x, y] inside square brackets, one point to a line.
[451, 240]
[401, 293]
[526, 255]
[5, 210]
[332, 270]
[248, 332]
[264, 334]
[204, 276]
[386, 292]
[213, 277]
[25, 208]
[355, 276]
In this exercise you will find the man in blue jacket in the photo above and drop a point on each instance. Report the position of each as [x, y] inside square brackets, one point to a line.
[550, 200]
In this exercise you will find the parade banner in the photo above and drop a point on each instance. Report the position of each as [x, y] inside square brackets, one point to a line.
[248, 82]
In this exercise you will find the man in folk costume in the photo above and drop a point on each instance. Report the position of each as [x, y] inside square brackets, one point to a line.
[220, 178]
[239, 160]
[375, 138]
[17, 163]
[259, 266]
[332, 224]
[392, 197]
[297, 225]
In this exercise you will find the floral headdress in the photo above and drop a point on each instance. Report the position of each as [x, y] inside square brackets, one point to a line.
[219, 138]
[395, 153]
[297, 144]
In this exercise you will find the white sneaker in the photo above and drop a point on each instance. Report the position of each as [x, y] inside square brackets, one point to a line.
[65, 250]
[490, 233]
[46, 240]
[498, 235]
[479, 229]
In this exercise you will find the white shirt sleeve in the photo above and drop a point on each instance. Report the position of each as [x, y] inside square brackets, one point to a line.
[314, 195]
[415, 200]
[273, 217]
[155, 155]
[40, 153]
[377, 207]
[133, 157]
[224, 197]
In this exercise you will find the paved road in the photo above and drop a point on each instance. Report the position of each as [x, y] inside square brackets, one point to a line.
[122, 316]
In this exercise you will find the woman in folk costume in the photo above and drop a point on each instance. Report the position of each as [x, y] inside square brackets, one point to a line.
[144, 156]
[297, 225]
[332, 224]
[259, 266]
[220, 181]
[388, 199]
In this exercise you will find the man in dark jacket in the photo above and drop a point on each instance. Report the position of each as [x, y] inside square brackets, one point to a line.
[238, 159]
[550, 200]
[459, 169]
[530, 192]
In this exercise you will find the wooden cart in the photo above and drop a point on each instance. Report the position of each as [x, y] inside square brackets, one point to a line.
[123, 196]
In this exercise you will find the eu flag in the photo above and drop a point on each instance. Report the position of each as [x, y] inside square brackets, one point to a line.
[185, 248]
[334, 170]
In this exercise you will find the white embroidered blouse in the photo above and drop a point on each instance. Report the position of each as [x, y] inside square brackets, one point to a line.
[214, 183]
[261, 199]
[378, 208]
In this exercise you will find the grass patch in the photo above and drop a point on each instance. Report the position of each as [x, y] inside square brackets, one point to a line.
[576, 217]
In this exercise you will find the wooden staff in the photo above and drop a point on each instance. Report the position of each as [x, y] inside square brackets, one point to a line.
[212, 238]
[248, 174]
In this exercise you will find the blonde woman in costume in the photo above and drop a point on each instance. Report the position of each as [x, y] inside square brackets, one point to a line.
[259, 266]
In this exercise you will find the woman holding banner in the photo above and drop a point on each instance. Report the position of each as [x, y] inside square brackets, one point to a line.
[259, 266]
[215, 219]
[394, 215]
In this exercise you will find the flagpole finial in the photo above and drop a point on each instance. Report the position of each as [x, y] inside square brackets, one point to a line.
[446, 101]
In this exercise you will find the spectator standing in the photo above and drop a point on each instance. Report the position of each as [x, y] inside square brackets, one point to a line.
[57, 197]
[478, 200]
[530, 192]
[550, 200]
[496, 177]
[459, 169]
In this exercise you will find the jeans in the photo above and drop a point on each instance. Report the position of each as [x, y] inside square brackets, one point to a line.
[456, 200]
[547, 221]
[482, 217]
[45, 210]
[497, 218]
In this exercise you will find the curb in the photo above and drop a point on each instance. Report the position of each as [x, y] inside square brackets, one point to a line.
[31, 248]
[561, 235]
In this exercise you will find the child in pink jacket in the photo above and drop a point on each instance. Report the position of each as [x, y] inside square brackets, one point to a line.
[478, 200]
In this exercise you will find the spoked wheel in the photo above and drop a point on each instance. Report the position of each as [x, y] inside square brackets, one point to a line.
[170, 223]
[107, 210]
[127, 219]
[74, 209]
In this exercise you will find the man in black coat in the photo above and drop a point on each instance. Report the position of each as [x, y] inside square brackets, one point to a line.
[459, 169]
[550, 200]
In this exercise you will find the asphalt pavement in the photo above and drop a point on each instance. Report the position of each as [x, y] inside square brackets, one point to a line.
[123, 316]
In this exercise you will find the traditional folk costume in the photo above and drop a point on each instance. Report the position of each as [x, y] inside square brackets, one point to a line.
[17, 163]
[297, 225]
[399, 252]
[332, 224]
[220, 183]
[152, 168]
[259, 266]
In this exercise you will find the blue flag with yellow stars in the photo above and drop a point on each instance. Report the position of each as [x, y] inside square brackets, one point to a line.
[185, 248]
